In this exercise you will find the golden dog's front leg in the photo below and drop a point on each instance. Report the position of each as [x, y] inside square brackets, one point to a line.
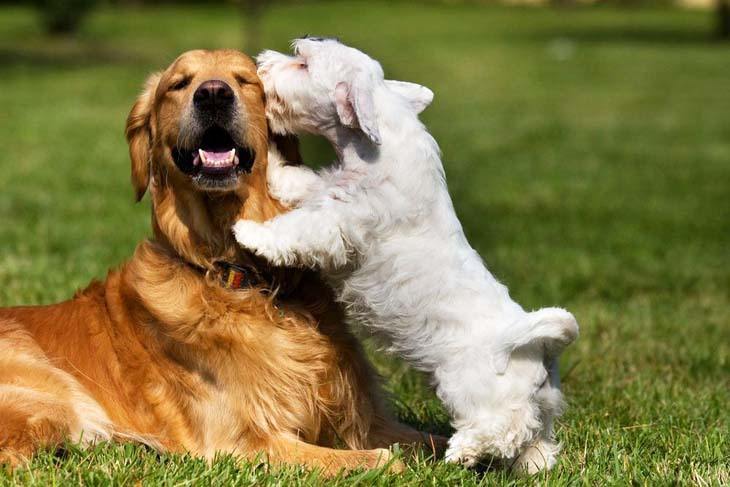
[283, 451]
[29, 421]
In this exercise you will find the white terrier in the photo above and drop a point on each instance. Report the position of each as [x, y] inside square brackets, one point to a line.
[382, 228]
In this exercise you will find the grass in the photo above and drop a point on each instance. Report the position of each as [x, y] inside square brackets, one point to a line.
[588, 154]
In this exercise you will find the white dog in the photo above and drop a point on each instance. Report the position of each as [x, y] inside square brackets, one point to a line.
[382, 228]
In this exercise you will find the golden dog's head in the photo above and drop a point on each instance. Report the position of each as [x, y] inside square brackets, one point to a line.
[200, 122]
[198, 140]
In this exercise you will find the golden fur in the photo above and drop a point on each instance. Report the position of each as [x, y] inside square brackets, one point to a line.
[160, 353]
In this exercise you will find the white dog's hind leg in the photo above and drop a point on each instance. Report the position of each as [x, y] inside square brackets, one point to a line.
[290, 184]
[298, 238]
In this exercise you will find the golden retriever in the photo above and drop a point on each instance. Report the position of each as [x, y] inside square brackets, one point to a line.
[193, 345]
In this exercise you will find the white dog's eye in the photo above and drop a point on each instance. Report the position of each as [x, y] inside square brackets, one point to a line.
[299, 63]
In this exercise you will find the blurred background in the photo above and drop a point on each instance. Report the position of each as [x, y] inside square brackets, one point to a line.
[586, 146]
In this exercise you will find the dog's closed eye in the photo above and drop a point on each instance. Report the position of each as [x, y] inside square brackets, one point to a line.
[180, 84]
[301, 63]
[243, 80]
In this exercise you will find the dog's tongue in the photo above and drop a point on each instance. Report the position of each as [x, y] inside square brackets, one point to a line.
[216, 160]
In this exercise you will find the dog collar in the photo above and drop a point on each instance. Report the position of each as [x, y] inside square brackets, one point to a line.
[235, 277]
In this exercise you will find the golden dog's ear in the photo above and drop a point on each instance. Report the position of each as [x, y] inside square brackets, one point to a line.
[139, 136]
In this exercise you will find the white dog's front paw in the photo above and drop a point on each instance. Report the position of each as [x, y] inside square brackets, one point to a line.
[283, 194]
[467, 459]
[257, 238]
[248, 233]
[462, 450]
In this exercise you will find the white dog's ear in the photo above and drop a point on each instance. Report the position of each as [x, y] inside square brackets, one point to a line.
[417, 95]
[551, 329]
[356, 107]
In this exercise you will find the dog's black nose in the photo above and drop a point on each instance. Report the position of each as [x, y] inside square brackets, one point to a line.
[213, 94]
[319, 39]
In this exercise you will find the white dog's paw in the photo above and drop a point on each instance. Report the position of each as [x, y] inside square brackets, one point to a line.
[541, 455]
[249, 234]
[464, 458]
[284, 193]
[291, 185]
[264, 242]
[257, 238]
[463, 449]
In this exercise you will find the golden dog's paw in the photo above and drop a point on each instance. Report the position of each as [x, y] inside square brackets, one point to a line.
[12, 459]
[386, 457]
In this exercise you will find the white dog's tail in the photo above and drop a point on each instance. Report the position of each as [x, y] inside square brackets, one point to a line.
[551, 328]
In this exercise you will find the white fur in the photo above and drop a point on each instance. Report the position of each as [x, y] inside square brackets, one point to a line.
[381, 226]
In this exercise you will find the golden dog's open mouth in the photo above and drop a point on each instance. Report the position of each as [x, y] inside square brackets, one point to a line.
[216, 161]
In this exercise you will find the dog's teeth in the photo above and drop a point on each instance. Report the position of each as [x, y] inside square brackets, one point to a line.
[235, 160]
[215, 160]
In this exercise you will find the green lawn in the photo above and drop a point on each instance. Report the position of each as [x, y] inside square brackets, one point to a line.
[588, 154]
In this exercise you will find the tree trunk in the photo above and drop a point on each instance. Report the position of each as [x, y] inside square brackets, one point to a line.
[723, 19]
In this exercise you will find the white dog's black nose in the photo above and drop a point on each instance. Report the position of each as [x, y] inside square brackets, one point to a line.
[319, 39]
[213, 94]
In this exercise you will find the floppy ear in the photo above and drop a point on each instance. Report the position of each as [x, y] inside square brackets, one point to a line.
[417, 95]
[550, 329]
[139, 136]
[356, 107]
